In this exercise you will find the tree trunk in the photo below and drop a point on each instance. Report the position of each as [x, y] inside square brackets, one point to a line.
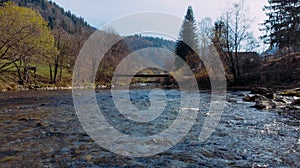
[19, 73]
[61, 68]
[50, 71]
[55, 69]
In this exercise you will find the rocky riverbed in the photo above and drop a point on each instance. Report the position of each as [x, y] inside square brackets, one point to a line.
[41, 129]
[281, 100]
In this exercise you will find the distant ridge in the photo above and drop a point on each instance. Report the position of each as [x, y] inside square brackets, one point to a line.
[55, 15]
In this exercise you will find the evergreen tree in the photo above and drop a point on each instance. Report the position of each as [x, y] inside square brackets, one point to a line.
[282, 27]
[187, 44]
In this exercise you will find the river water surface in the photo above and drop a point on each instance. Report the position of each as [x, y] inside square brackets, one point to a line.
[41, 129]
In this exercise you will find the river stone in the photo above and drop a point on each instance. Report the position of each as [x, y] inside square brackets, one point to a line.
[296, 101]
[251, 98]
[270, 95]
[294, 107]
[264, 104]
[279, 105]
[260, 90]
[283, 100]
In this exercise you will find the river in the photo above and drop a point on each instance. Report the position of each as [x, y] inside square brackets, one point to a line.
[41, 129]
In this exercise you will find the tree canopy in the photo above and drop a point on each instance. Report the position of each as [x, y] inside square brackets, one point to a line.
[24, 37]
[282, 26]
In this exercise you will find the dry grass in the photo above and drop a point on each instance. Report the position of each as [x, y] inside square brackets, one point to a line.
[11, 86]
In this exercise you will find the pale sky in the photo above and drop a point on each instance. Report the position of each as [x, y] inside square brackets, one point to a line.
[99, 12]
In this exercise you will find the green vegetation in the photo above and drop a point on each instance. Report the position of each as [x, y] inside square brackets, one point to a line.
[25, 38]
[39, 57]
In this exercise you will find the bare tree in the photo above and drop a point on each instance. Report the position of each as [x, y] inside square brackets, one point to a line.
[232, 35]
[205, 34]
[63, 44]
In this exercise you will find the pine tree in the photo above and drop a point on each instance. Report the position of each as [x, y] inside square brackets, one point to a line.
[187, 44]
[282, 27]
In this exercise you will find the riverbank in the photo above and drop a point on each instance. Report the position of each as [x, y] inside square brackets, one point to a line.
[13, 87]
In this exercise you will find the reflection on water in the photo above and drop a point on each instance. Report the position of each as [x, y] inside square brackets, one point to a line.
[42, 129]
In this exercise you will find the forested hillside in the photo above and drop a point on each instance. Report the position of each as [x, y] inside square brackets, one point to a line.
[55, 15]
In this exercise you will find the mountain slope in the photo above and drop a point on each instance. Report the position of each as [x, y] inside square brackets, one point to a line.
[56, 16]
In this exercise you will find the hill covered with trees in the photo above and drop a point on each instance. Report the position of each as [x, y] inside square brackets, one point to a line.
[55, 15]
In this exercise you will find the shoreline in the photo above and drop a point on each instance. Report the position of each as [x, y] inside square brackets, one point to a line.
[13, 87]
[229, 88]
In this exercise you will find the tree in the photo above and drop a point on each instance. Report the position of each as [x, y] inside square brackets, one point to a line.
[231, 35]
[187, 44]
[24, 38]
[282, 27]
[205, 34]
[63, 43]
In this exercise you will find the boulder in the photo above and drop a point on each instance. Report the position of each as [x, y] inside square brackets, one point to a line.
[265, 99]
[264, 104]
[270, 95]
[260, 90]
[261, 102]
[251, 98]
[279, 105]
[296, 101]
[284, 100]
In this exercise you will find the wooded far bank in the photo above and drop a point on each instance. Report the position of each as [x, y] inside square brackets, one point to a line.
[39, 43]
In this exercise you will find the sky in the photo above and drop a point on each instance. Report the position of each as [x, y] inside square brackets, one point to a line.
[100, 12]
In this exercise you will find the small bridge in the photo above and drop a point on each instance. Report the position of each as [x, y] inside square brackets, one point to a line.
[145, 75]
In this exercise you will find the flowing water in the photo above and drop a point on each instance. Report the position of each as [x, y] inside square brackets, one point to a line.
[41, 129]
